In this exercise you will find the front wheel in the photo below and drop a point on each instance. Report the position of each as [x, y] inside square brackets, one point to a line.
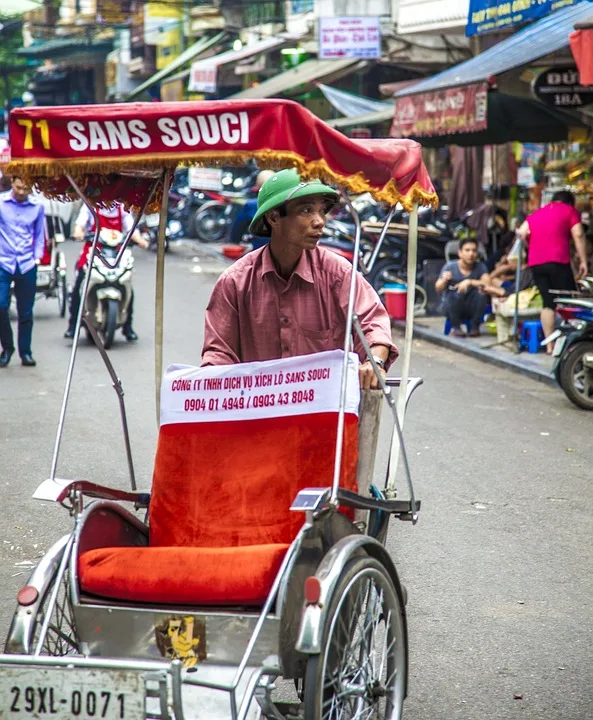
[110, 323]
[361, 671]
[576, 375]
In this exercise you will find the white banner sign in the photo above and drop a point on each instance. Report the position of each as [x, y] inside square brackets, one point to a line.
[254, 391]
[349, 37]
[202, 78]
[205, 178]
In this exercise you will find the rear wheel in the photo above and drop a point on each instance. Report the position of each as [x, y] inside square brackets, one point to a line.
[61, 638]
[361, 671]
[110, 323]
[62, 295]
[210, 222]
[576, 375]
[390, 271]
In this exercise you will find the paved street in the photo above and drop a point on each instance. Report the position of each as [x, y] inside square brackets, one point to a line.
[498, 569]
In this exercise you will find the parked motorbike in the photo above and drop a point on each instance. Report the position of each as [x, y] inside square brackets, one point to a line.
[110, 289]
[204, 226]
[573, 345]
[214, 219]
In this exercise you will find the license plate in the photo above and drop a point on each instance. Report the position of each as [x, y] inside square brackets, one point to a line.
[67, 693]
[152, 220]
[559, 346]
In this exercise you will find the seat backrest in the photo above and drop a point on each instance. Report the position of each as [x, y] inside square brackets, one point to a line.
[238, 442]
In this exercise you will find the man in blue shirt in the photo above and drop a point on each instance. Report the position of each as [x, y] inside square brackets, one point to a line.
[22, 242]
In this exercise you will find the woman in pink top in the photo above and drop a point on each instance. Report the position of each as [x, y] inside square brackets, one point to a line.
[548, 233]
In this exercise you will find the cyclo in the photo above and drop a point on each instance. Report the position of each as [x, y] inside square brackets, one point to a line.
[279, 569]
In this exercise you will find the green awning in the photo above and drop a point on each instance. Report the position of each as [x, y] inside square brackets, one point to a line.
[61, 47]
[192, 51]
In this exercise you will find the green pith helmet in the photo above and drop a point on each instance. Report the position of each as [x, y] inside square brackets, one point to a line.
[284, 186]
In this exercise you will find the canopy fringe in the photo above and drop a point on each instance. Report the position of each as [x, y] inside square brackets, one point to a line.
[43, 173]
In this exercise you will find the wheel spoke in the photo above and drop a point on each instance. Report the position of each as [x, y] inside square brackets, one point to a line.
[363, 676]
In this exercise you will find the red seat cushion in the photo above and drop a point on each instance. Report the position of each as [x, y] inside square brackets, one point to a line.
[220, 518]
[182, 575]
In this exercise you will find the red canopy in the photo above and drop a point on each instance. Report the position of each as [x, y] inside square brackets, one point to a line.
[98, 144]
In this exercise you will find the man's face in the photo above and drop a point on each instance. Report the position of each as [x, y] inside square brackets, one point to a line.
[469, 253]
[20, 190]
[303, 224]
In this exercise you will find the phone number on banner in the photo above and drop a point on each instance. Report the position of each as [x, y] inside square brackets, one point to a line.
[242, 402]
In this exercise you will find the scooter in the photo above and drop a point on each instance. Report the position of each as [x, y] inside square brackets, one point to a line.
[573, 346]
[110, 289]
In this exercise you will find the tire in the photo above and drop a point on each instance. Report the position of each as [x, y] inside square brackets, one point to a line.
[62, 291]
[110, 323]
[208, 227]
[61, 638]
[575, 378]
[388, 271]
[361, 671]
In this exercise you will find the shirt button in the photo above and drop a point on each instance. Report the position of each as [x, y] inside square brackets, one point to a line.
[285, 321]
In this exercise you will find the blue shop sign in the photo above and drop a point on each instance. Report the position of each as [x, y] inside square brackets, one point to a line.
[489, 15]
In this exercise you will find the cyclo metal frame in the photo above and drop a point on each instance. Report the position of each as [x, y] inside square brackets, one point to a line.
[255, 682]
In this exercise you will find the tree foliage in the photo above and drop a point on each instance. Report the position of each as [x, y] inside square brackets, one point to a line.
[12, 78]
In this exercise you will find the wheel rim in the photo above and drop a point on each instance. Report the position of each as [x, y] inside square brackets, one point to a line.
[387, 276]
[582, 380]
[211, 224]
[60, 638]
[364, 666]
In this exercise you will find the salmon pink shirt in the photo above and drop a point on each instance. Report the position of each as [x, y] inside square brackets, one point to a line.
[254, 314]
[549, 234]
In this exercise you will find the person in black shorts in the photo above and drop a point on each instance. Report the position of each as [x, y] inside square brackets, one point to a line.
[548, 233]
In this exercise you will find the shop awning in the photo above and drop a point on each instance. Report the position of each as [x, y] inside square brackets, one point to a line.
[192, 51]
[359, 110]
[538, 39]
[307, 73]
[60, 48]
[234, 56]
[371, 118]
[352, 105]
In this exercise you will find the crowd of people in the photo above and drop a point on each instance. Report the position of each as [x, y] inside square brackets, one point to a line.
[544, 256]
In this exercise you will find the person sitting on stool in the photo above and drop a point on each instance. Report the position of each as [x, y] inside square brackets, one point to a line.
[465, 285]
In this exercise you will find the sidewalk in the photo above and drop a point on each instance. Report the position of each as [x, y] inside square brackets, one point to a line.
[485, 348]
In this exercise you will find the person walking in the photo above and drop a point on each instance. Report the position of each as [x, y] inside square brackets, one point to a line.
[22, 242]
[547, 234]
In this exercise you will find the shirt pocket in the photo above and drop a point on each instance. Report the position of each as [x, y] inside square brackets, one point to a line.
[312, 341]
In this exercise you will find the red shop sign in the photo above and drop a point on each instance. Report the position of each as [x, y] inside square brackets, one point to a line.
[444, 112]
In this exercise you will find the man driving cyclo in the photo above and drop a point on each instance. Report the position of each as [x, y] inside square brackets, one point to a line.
[291, 296]
[223, 575]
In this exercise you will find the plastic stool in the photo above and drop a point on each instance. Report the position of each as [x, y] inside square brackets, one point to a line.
[448, 327]
[531, 336]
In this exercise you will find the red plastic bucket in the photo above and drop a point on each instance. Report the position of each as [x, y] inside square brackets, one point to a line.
[395, 297]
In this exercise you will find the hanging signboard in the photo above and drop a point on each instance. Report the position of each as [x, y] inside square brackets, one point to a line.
[444, 112]
[489, 15]
[349, 37]
[201, 178]
[202, 78]
[561, 87]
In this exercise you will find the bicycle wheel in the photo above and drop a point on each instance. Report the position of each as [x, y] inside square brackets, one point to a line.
[61, 638]
[361, 672]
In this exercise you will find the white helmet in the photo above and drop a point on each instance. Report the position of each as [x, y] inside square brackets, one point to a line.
[262, 177]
